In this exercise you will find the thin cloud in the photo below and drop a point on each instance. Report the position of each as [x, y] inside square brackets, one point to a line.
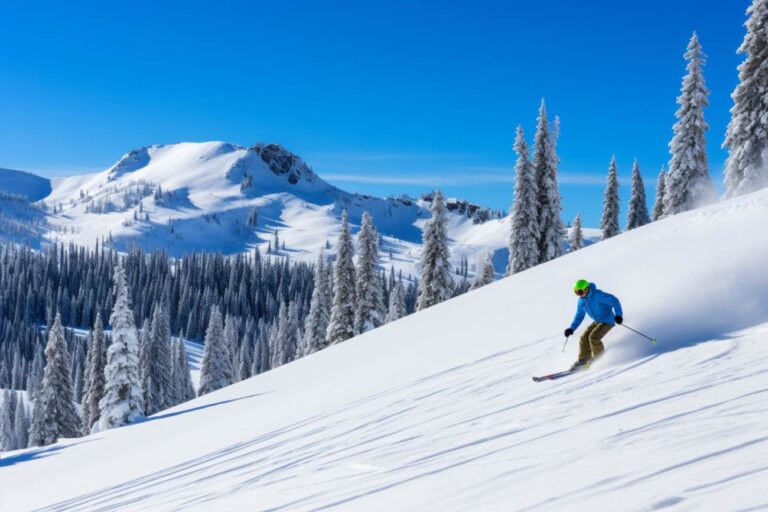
[418, 178]
[344, 159]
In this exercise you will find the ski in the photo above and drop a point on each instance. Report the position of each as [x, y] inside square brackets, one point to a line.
[553, 376]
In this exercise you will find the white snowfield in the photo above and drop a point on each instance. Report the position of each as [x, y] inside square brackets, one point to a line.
[438, 412]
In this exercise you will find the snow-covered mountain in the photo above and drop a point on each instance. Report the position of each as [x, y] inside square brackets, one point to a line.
[190, 197]
[437, 411]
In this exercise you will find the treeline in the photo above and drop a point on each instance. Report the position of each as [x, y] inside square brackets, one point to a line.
[254, 313]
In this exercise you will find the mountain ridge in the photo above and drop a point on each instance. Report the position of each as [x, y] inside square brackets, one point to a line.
[223, 197]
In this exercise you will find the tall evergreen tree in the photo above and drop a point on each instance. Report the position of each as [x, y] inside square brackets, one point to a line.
[245, 355]
[368, 290]
[261, 355]
[7, 427]
[230, 339]
[747, 136]
[284, 341]
[524, 218]
[158, 392]
[658, 204]
[638, 208]
[576, 238]
[21, 422]
[688, 182]
[78, 372]
[216, 369]
[341, 326]
[122, 402]
[182, 380]
[35, 378]
[54, 414]
[485, 271]
[145, 363]
[94, 376]
[550, 225]
[397, 308]
[317, 320]
[609, 223]
[435, 283]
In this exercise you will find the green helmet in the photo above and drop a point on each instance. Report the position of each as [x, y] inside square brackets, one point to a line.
[581, 284]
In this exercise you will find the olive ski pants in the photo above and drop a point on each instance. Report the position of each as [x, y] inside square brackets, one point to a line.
[591, 343]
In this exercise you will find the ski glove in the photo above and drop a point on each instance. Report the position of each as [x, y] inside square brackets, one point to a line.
[568, 332]
[619, 319]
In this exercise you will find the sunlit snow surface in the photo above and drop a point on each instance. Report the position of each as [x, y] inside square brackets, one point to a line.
[438, 411]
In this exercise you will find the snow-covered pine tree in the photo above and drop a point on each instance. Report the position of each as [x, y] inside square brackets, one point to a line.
[35, 378]
[609, 223]
[341, 325]
[638, 208]
[54, 414]
[317, 319]
[230, 339]
[576, 238]
[396, 303]
[245, 354]
[78, 371]
[368, 290]
[7, 427]
[216, 369]
[688, 184]
[435, 284]
[524, 218]
[21, 423]
[550, 225]
[261, 355]
[658, 204]
[94, 376]
[122, 402]
[747, 137]
[182, 380]
[284, 343]
[145, 365]
[158, 396]
[485, 271]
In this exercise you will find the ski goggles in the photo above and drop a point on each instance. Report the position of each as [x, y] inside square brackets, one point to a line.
[580, 292]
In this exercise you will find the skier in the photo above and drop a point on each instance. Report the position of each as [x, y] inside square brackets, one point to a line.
[604, 309]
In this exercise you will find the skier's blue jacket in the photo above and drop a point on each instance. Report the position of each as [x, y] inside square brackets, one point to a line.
[600, 306]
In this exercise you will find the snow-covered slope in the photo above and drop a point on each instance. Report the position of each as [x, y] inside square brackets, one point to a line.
[26, 184]
[190, 197]
[438, 412]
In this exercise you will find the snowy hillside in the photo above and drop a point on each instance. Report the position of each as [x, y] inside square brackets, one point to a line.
[191, 197]
[437, 411]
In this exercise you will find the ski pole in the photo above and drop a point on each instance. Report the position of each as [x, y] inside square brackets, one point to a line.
[564, 344]
[652, 340]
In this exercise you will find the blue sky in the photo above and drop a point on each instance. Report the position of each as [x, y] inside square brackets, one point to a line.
[379, 97]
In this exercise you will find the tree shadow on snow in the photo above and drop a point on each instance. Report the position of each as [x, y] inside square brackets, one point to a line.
[45, 451]
[162, 416]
